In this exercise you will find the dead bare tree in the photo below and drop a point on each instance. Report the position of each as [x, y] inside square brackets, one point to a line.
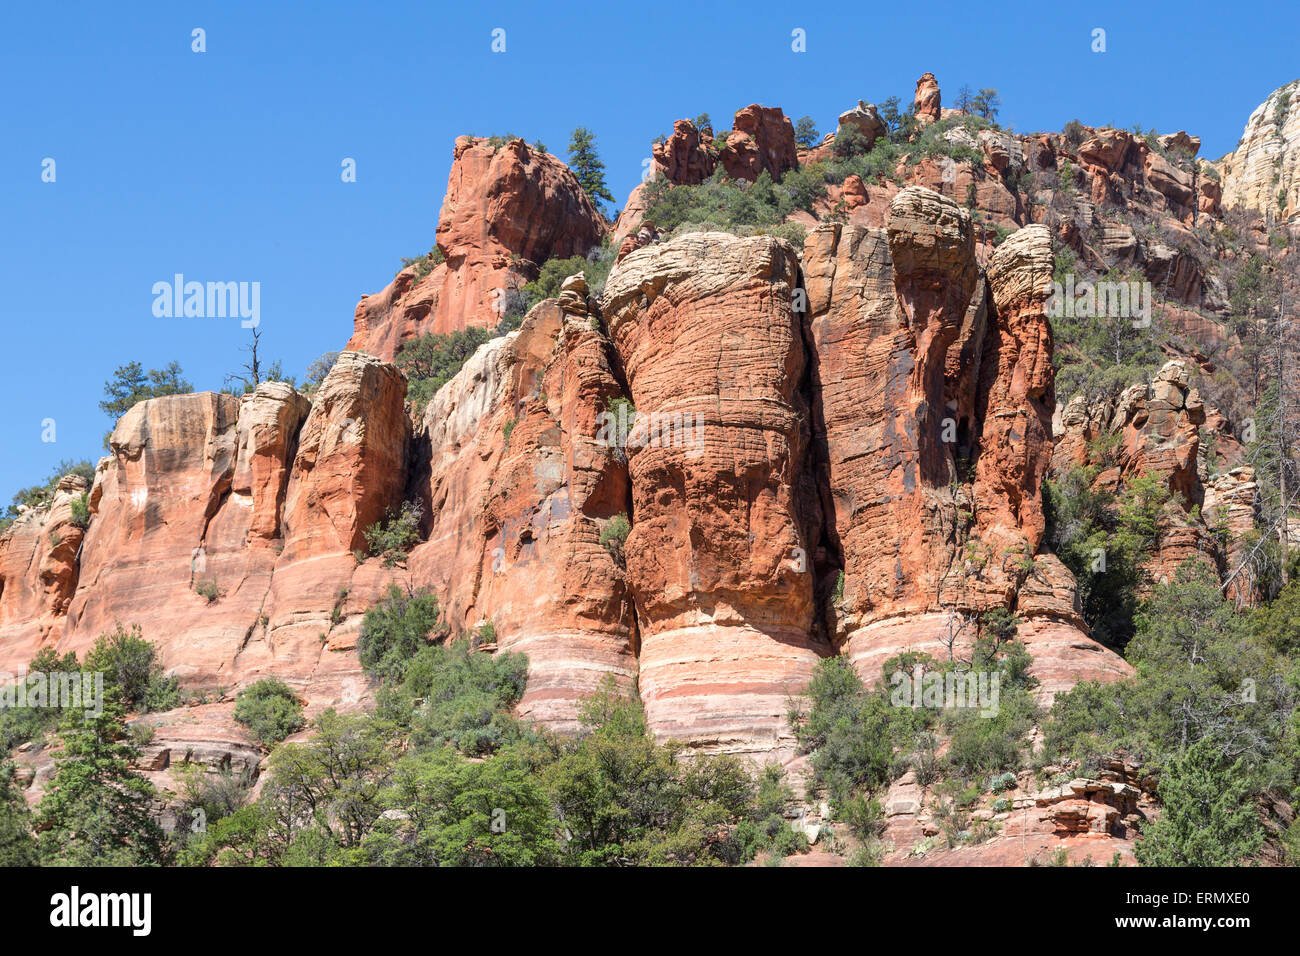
[252, 367]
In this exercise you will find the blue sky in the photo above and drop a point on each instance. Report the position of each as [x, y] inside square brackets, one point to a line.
[225, 165]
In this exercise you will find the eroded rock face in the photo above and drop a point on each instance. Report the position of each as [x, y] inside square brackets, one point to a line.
[926, 100]
[684, 157]
[866, 120]
[880, 409]
[1269, 148]
[936, 400]
[224, 528]
[520, 484]
[1155, 430]
[504, 203]
[1231, 500]
[350, 465]
[39, 572]
[761, 139]
[725, 521]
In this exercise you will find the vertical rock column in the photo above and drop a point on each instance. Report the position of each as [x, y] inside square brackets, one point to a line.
[1017, 400]
[934, 435]
[520, 489]
[897, 319]
[720, 556]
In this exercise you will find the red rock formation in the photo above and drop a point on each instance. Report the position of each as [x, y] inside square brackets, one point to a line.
[1156, 431]
[684, 158]
[1086, 817]
[504, 203]
[897, 429]
[854, 192]
[926, 101]
[720, 554]
[38, 573]
[257, 501]
[866, 120]
[936, 402]
[762, 138]
[520, 485]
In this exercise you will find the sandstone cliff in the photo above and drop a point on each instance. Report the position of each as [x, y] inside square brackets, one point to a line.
[838, 446]
[225, 528]
[1263, 172]
[509, 207]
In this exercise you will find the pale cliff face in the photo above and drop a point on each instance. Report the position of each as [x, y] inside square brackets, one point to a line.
[1263, 172]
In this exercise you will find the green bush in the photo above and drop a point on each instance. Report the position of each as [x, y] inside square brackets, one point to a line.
[395, 630]
[982, 743]
[423, 264]
[1104, 541]
[39, 496]
[1198, 663]
[726, 204]
[1208, 817]
[270, 711]
[431, 361]
[625, 799]
[393, 539]
[849, 142]
[209, 590]
[132, 674]
[21, 724]
[81, 510]
[455, 812]
[466, 697]
[849, 731]
[17, 842]
[614, 535]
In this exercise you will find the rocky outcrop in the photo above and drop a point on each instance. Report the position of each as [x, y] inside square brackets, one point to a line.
[866, 120]
[1231, 502]
[684, 158]
[508, 208]
[224, 528]
[925, 103]
[39, 571]
[839, 448]
[761, 140]
[520, 482]
[720, 556]
[1094, 818]
[1156, 430]
[1263, 172]
[935, 389]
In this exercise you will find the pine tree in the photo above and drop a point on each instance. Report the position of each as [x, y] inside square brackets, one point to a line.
[17, 845]
[586, 165]
[97, 810]
[1208, 816]
[130, 384]
[805, 132]
[987, 103]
